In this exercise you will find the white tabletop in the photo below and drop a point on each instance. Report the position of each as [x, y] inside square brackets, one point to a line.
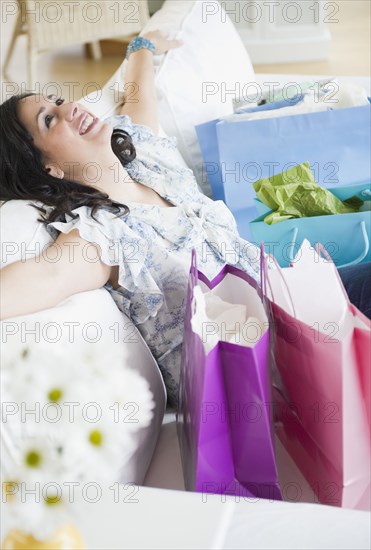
[147, 518]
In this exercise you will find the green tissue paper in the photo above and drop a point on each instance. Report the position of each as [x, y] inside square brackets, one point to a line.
[295, 194]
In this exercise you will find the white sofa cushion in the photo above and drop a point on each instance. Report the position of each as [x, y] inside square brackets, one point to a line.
[88, 316]
[193, 80]
[23, 237]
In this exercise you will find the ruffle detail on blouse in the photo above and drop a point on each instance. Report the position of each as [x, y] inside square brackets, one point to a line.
[218, 224]
[119, 245]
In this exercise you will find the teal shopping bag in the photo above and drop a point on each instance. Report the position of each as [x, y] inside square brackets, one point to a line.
[346, 237]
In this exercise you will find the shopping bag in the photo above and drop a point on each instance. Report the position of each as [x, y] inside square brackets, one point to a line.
[224, 418]
[208, 141]
[320, 358]
[346, 237]
[336, 144]
[211, 170]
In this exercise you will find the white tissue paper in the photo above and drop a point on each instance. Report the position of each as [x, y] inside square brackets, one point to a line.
[335, 95]
[347, 95]
[215, 320]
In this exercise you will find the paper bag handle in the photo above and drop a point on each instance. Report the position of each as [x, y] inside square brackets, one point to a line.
[193, 278]
[194, 260]
[291, 251]
[353, 262]
[365, 250]
[265, 279]
[263, 271]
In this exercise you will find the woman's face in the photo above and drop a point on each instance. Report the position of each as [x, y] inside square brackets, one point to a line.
[68, 136]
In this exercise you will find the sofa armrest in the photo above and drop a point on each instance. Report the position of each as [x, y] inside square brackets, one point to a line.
[88, 316]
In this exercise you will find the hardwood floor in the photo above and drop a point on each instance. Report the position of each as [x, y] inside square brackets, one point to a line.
[350, 55]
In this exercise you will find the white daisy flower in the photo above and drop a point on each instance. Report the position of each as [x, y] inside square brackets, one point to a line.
[38, 509]
[52, 377]
[39, 457]
[88, 406]
[100, 449]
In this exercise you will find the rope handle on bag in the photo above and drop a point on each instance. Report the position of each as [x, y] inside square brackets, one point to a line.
[365, 250]
[291, 251]
[263, 272]
[321, 249]
[193, 274]
[265, 279]
[356, 261]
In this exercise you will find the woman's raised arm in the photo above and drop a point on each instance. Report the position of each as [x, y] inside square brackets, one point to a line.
[68, 266]
[140, 89]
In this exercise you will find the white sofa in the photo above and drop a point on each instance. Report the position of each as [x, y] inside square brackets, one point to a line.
[195, 83]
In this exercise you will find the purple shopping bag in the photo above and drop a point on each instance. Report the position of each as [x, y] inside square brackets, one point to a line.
[224, 421]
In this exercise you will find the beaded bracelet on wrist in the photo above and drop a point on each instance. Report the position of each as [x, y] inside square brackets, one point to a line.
[139, 43]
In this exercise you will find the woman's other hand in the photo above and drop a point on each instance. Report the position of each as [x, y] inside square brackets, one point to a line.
[161, 43]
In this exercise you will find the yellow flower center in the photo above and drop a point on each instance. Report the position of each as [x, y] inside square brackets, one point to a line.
[52, 500]
[33, 459]
[55, 394]
[96, 438]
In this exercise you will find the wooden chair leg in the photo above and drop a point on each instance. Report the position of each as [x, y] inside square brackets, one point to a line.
[96, 50]
[31, 68]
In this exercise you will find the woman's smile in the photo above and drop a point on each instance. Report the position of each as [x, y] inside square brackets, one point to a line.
[88, 122]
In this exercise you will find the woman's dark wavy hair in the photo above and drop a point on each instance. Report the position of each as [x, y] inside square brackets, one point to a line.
[23, 175]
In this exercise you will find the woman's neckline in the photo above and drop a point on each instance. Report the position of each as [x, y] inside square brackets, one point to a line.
[145, 204]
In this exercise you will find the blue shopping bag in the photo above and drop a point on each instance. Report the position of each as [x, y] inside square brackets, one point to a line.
[346, 237]
[336, 144]
[208, 141]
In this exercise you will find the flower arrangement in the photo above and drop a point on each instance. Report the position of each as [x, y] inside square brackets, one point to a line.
[70, 412]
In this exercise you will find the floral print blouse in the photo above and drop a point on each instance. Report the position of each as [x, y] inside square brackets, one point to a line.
[152, 245]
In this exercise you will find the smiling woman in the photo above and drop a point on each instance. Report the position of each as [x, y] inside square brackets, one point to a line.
[43, 157]
[115, 185]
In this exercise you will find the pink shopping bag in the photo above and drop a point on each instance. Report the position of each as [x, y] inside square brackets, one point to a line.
[320, 358]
